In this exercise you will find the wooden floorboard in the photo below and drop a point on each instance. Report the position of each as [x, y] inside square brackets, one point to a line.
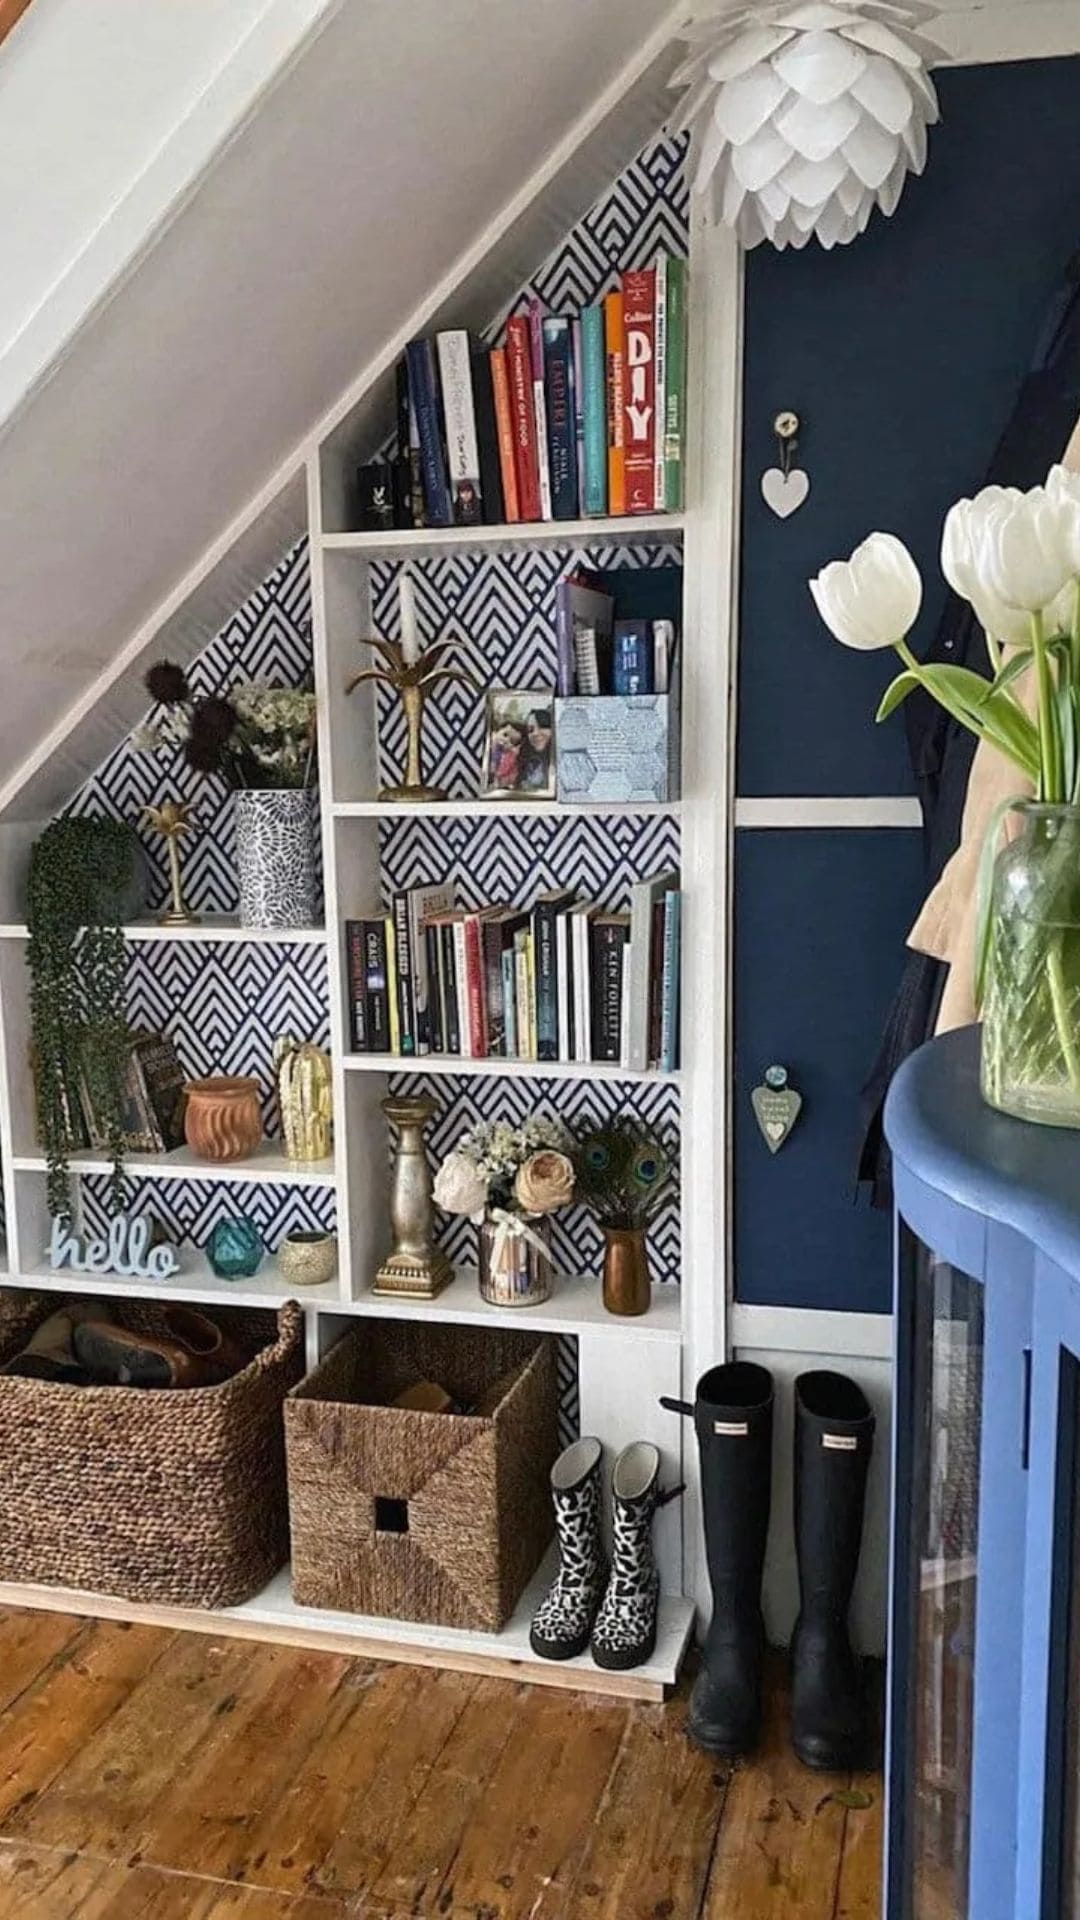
[152, 1775]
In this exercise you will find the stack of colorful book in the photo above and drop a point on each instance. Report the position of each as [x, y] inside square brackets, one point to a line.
[573, 416]
[560, 980]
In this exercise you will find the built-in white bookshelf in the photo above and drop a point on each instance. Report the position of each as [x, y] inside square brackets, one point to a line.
[623, 1366]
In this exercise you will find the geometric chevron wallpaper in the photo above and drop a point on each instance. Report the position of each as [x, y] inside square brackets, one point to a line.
[226, 1005]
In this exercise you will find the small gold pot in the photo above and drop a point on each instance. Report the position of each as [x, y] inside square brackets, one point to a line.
[308, 1259]
[223, 1117]
[626, 1271]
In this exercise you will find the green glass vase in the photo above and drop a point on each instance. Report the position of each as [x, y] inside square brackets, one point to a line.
[1031, 1000]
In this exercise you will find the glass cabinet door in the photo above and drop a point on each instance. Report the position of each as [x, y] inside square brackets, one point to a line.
[939, 1415]
[1049, 1870]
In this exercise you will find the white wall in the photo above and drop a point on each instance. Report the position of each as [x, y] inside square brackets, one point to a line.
[95, 101]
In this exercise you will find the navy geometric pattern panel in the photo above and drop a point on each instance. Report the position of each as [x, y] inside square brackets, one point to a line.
[190, 1209]
[646, 210]
[577, 1243]
[268, 639]
[204, 996]
[513, 860]
[500, 611]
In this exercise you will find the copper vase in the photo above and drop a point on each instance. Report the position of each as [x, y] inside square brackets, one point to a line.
[626, 1271]
[223, 1117]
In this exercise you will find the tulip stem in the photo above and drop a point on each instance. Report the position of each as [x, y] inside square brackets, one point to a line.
[1050, 746]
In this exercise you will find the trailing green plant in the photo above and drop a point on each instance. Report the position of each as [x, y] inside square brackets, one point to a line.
[623, 1172]
[79, 871]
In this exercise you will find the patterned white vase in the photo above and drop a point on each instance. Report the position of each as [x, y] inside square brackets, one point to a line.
[275, 856]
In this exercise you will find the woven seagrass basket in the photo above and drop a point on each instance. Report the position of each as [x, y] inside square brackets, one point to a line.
[422, 1516]
[175, 1497]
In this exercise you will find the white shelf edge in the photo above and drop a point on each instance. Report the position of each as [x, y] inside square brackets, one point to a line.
[481, 809]
[575, 1308]
[198, 1285]
[269, 1168]
[447, 1065]
[218, 929]
[273, 1615]
[625, 530]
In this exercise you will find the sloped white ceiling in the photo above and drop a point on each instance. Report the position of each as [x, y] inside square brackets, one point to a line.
[384, 152]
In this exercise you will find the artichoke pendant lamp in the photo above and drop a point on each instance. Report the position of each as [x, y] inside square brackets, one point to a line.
[805, 117]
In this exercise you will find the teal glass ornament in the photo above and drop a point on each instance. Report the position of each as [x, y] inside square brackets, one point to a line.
[235, 1248]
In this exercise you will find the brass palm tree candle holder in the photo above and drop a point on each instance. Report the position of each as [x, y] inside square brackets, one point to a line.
[411, 673]
[171, 821]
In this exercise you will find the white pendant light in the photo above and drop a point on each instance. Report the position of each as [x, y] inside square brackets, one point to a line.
[804, 117]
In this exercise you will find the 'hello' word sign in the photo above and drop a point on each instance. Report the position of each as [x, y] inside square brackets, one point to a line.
[125, 1250]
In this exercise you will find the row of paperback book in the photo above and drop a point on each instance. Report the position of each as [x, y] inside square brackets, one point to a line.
[560, 980]
[576, 415]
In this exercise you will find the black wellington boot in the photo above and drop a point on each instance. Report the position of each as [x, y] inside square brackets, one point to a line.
[733, 1415]
[834, 1438]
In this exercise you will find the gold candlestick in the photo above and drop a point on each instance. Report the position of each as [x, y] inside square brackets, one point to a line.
[171, 820]
[415, 1269]
[411, 680]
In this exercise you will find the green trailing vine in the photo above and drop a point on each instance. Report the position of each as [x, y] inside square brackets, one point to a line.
[79, 871]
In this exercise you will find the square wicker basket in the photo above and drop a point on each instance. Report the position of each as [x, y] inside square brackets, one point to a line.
[167, 1496]
[422, 1516]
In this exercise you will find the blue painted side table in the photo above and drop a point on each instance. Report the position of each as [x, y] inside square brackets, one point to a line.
[983, 1743]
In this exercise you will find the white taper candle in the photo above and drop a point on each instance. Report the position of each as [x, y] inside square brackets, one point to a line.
[410, 637]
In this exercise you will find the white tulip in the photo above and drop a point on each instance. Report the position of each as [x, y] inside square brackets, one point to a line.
[1010, 625]
[1014, 555]
[1063, 489]
[873, 599]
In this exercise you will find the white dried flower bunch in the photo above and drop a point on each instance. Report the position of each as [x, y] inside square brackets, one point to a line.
[499, 1149]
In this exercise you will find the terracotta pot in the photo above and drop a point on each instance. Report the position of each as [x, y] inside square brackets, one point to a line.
[223, 1117]
[626, 1271]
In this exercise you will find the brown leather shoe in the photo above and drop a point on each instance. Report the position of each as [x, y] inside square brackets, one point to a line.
[116, 1356]
[204, 1339]
[49, 1354]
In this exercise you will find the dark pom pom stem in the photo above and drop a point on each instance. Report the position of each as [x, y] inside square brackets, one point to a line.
[166, 683]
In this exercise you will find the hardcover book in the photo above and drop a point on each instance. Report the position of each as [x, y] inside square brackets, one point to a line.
[493, 506]
[577, 370]
[355, 964]
[645, 897]
[632, 660]
[523, 413]
[403, 971]
[674, 416]
[459, 421]
[581, 603]
[562, 444]
[609, 935]
[158, 1082]
[670, 990]
[660, 352]
[639, 404]
[594, 493]
[376, 986]
[536, 359]
[423, 903]
[615, 350]
[546, 910]
[504, 427]
[424, 394]
[408, 440]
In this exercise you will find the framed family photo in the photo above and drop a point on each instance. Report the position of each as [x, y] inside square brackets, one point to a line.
[519, 743]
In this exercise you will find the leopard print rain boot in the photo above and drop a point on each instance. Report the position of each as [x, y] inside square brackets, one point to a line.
[563, 1622]
[625, 1632]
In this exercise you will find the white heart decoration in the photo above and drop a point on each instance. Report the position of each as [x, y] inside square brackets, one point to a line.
[775, 1129]
[785, 493]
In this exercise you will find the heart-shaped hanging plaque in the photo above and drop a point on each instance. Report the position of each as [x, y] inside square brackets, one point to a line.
[785, 493]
